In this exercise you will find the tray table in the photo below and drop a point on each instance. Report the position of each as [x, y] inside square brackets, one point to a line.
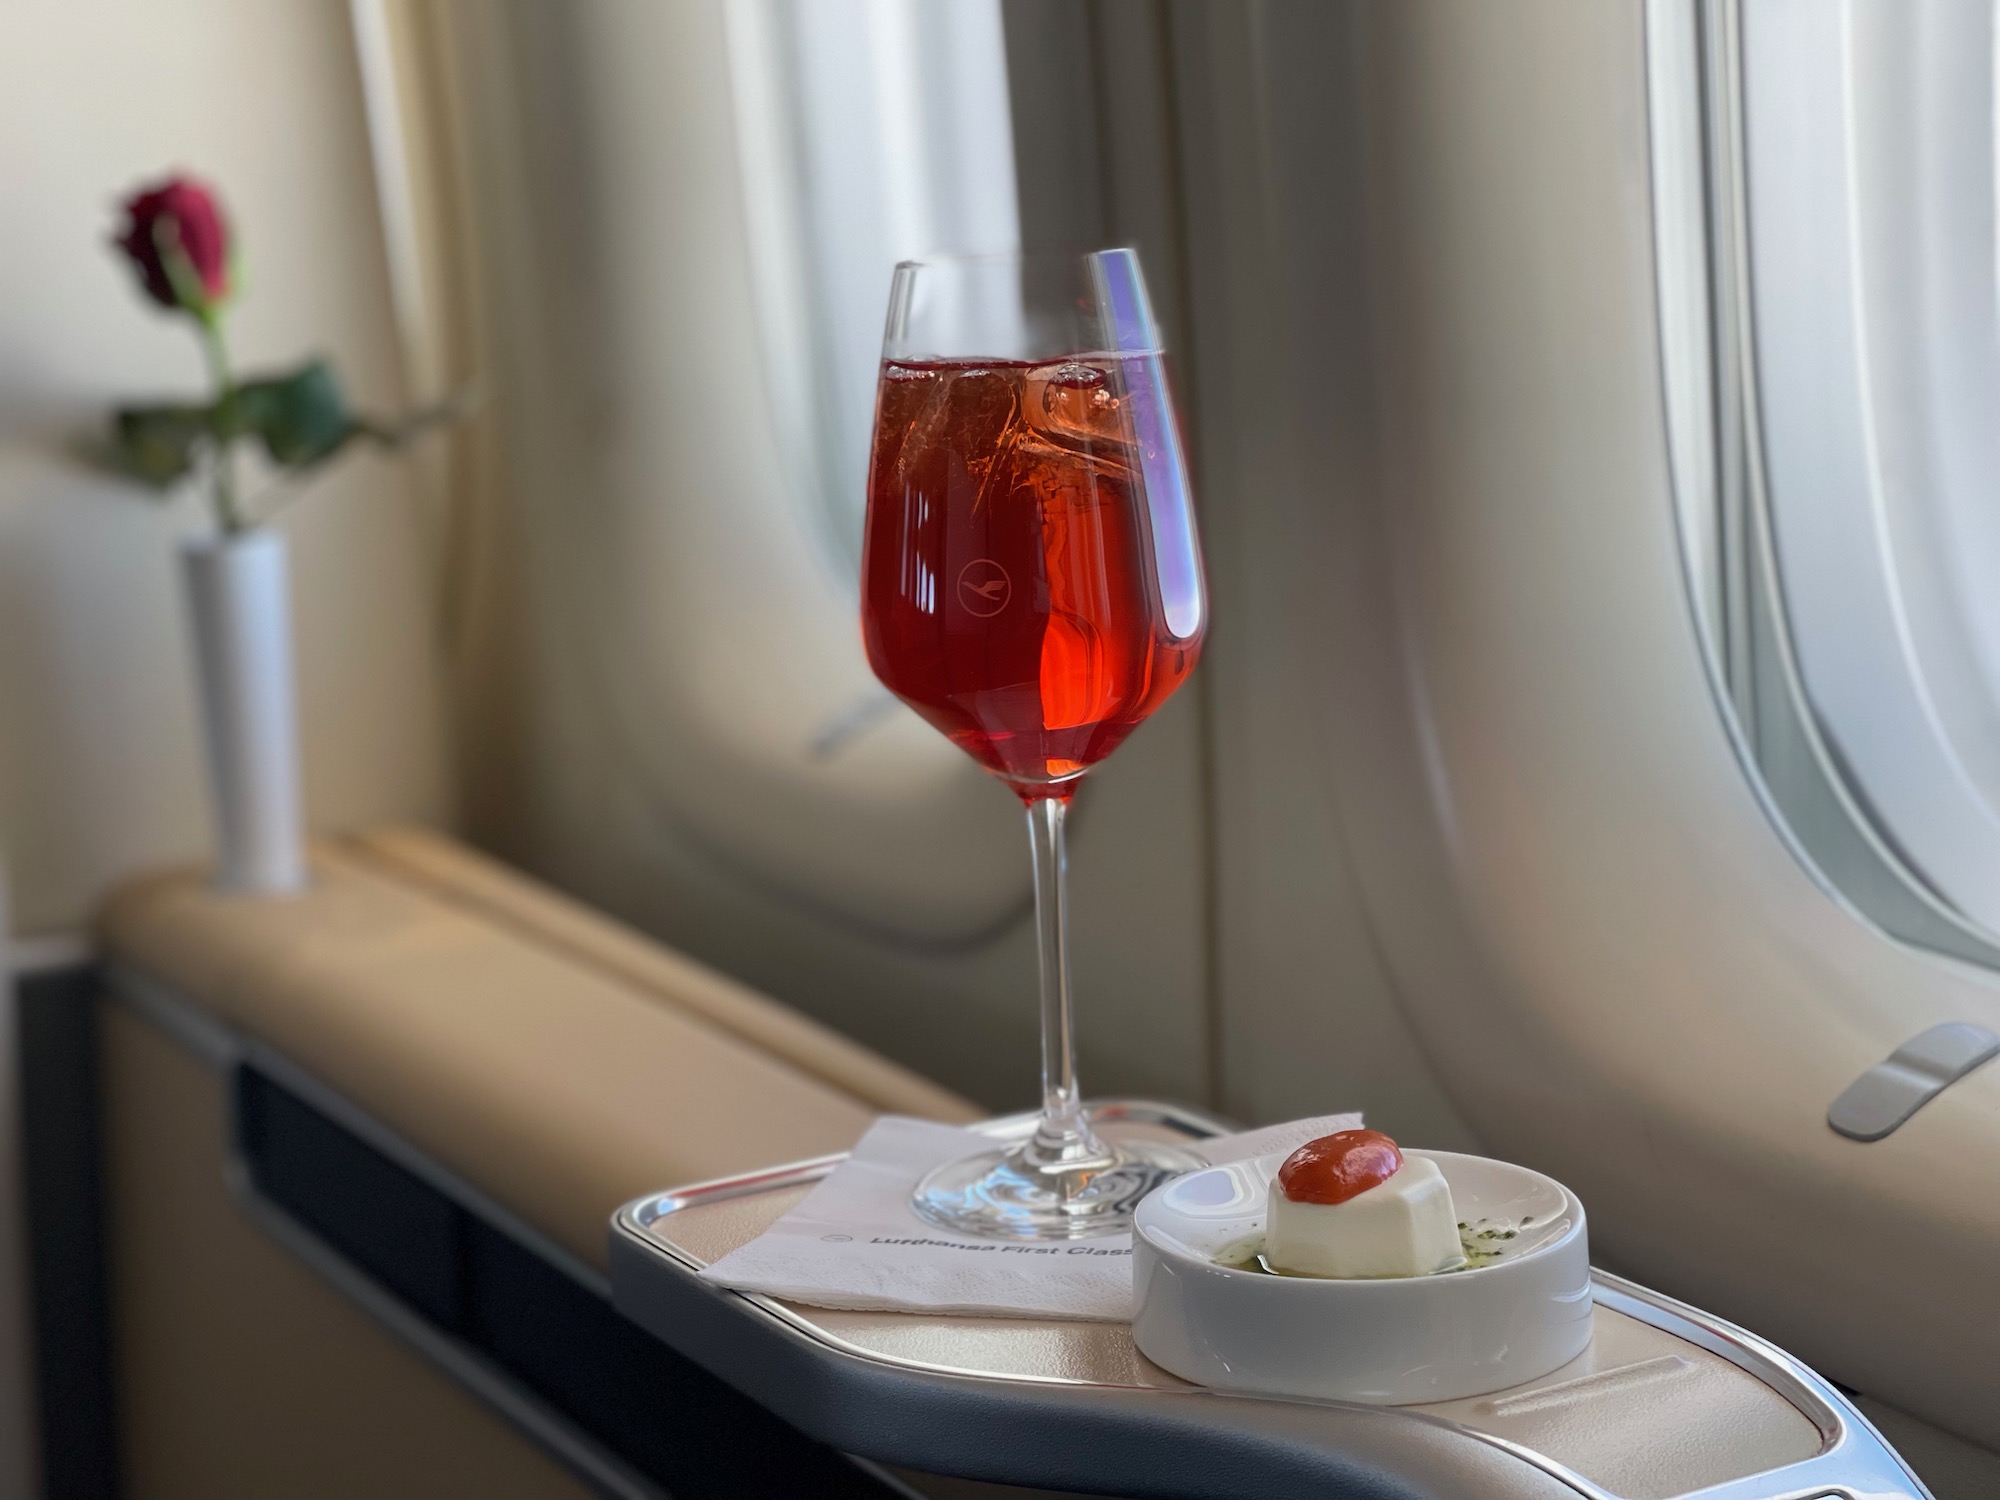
[1668, 1402]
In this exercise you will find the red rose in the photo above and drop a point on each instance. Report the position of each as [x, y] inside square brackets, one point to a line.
[178, 242]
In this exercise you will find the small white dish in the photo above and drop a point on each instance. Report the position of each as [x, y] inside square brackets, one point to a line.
[1394, 1341]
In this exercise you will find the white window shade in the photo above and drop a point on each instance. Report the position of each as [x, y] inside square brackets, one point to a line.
[1874, 303]
[871, 131]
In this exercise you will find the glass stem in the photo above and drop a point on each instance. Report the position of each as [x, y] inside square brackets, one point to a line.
[1063, 1144]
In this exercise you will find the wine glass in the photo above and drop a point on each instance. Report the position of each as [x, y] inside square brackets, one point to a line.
[1032, 585]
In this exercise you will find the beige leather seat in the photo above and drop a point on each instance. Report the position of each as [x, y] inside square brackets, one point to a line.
[554, 1061]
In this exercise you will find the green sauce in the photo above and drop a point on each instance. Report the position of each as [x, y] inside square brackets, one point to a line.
[1483, 1242]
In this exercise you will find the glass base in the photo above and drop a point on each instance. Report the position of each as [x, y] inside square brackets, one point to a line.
[1010, 1195]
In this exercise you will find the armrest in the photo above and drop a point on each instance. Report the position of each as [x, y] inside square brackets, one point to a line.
[464, 877]
[555, 1064]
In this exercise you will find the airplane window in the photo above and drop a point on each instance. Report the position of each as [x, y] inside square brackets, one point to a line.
[731, 347]
[1825, 179]
[691, 215]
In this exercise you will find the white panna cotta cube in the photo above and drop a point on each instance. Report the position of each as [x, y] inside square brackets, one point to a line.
[1405, 1226]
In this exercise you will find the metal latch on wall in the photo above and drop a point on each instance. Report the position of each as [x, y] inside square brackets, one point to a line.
[1909, 1078]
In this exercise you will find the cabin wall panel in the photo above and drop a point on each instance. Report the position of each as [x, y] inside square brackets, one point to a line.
[1311, 1016]
[100, 760]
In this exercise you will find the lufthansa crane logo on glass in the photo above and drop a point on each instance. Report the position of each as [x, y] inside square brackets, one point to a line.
[984, 587]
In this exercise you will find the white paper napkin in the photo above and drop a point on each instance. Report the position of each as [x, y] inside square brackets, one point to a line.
[854, 1241]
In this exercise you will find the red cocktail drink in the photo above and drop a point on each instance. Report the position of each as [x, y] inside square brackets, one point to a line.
[1031, 584]
[1016, 590]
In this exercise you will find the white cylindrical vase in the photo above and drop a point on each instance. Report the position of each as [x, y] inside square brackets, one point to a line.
[240, 593]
